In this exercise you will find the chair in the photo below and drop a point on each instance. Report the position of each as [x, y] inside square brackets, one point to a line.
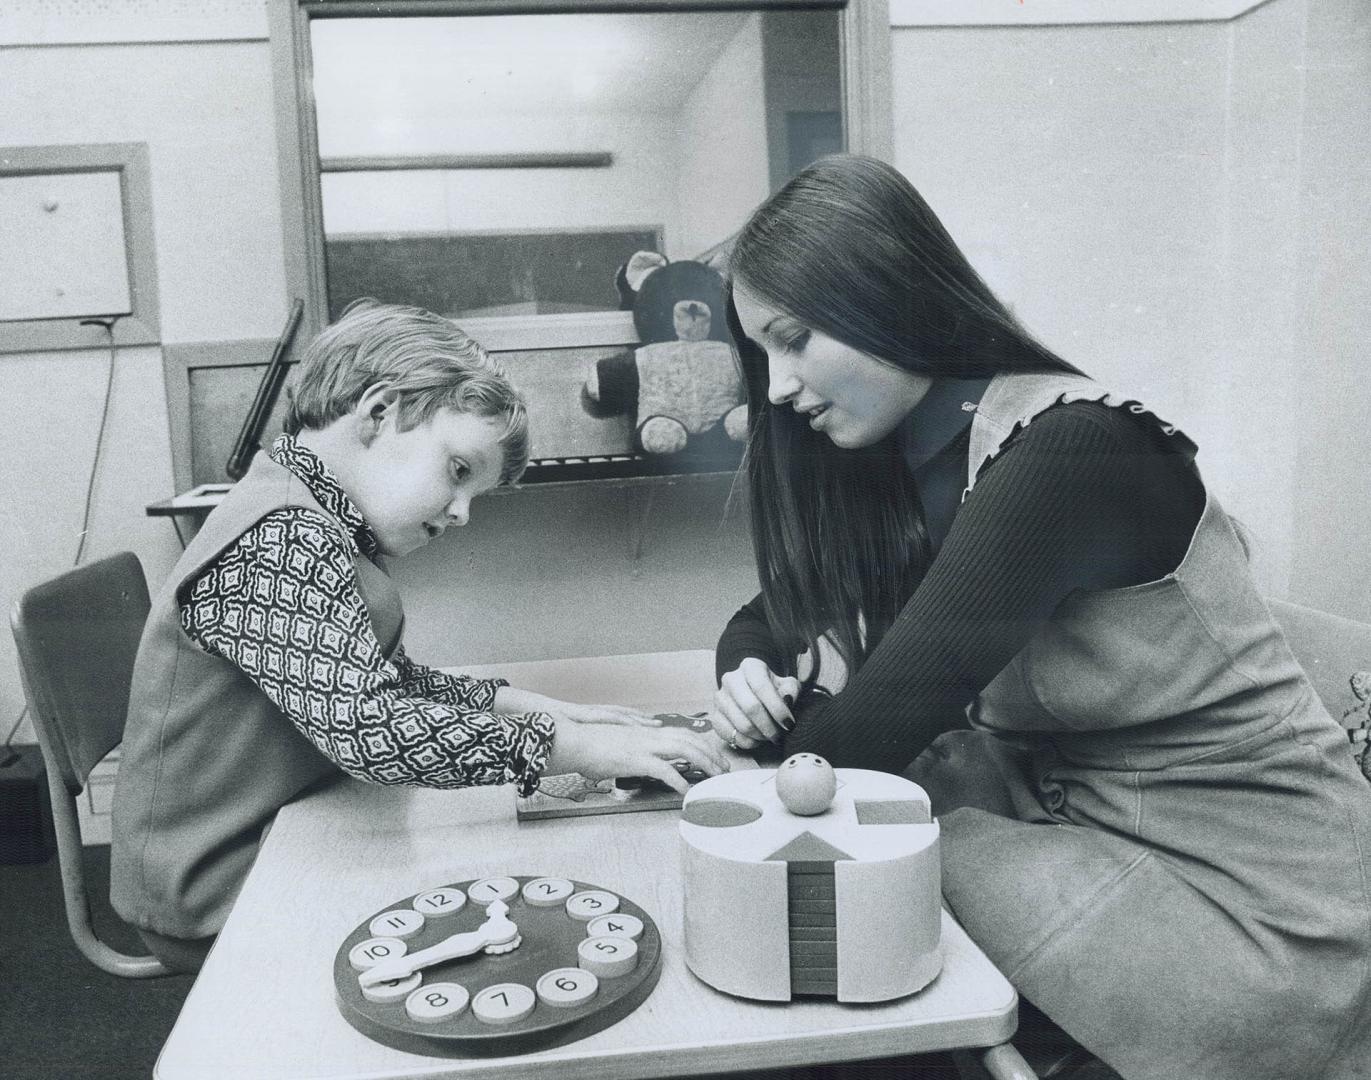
[77, 637]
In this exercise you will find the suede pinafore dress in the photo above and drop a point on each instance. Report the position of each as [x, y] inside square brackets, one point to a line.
[1155, 829]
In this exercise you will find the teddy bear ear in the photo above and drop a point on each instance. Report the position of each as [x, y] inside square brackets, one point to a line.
[640, 265]
[717, 259]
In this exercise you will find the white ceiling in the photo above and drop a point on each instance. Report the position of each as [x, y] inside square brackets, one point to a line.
[517, 63]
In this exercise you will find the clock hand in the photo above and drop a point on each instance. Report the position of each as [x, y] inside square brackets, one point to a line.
[496, 935]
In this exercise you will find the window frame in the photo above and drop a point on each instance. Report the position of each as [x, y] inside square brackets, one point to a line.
[865, 35]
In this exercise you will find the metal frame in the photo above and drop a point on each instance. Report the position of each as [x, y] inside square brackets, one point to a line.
[598, 159]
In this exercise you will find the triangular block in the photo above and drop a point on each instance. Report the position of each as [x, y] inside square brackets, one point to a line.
[808, 848]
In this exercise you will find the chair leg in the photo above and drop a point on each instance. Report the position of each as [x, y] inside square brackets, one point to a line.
[1001, 1062]
[74, 896]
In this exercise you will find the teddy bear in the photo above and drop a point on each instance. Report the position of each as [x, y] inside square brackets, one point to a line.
[684, 378]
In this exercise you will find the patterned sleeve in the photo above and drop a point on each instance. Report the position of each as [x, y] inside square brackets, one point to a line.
[426, 682]
[282, 605]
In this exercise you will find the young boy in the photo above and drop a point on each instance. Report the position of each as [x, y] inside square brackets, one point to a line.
[272, 657]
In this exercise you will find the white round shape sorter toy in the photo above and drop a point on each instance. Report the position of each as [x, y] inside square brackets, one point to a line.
[843, 903]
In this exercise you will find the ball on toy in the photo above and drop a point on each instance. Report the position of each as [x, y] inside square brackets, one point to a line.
[806, 784]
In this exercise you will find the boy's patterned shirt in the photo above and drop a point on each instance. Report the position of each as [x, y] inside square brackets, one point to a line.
[282, 604]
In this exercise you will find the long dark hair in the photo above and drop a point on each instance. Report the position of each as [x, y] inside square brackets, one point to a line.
[850, 249]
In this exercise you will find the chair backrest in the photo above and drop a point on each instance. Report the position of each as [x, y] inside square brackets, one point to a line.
[1330, 648]
[77, 637]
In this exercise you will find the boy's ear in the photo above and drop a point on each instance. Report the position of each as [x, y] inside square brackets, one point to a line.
[376, 403]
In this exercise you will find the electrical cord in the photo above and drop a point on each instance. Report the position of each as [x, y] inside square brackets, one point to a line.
[108, 324]
[9, 739]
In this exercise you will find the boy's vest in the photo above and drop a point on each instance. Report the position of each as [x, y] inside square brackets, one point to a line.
[207, 759]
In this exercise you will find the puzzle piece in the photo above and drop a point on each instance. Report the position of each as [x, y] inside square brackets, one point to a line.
[691, 774]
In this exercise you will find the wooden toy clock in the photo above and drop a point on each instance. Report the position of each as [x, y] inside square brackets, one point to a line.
[500, 965]
[806, 880]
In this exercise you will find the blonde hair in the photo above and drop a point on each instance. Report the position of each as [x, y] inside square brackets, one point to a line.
[425, 358]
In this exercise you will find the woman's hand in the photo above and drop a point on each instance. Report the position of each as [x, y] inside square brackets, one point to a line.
[632, 751]
[752, 705]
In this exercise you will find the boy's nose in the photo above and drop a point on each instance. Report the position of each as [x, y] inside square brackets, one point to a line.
[459, 510]
[782, 384]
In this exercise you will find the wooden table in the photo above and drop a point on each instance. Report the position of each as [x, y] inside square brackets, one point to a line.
[263, 1006]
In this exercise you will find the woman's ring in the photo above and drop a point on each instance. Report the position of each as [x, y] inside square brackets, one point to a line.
[733, 741]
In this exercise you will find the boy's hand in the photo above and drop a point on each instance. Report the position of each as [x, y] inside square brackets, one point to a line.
[632, 751]
[604, 714]
[510, 699]
[752, 705]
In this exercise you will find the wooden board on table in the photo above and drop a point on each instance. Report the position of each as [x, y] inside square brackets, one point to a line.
[573, 795]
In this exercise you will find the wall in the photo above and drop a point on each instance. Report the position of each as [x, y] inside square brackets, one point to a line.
[1168, 206]
[712, 209]
[1332, 287]
[556, 571]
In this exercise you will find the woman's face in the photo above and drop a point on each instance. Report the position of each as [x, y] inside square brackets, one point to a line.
[853, 398]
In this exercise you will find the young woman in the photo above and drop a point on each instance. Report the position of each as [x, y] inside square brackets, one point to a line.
[1149, 821]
